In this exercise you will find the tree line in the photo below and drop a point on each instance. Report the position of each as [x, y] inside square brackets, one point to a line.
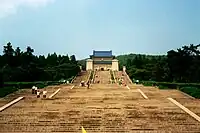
[181, 65]
[18, 66]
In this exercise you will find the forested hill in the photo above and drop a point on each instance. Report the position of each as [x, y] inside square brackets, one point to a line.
[129, 57]
[20, 66]
[181, 65]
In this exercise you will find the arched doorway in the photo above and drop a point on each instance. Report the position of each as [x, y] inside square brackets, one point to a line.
[102, 69]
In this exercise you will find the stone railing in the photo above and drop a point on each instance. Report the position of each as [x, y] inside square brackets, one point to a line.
[114, 76]
[91, 73]
[94, 73]
[88, 78]
[73, 79]
[128, 77]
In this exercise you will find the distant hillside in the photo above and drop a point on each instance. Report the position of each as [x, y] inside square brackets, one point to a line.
[124, 58]
[82, 63]
[180, 65]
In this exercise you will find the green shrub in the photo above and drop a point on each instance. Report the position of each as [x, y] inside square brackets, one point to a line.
[70, 79]
[23, 85]
[165, 85]
[162, 87]
[41, 85]
[171, 85]
[10, 87]
[7, 90]
[192, 91]
[1, 79]
[147, 83]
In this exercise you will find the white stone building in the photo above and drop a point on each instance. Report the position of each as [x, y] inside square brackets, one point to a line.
[102, 60]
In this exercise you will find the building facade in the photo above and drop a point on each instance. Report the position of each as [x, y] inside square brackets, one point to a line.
[102, 60]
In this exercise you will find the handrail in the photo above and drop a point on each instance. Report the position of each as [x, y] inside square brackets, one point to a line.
[73, 79]
[111, 75]
[89, 75]
[128, 77]
[114, 76]
[93, 75]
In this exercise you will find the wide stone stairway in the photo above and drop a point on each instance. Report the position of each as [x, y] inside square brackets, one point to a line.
[83, 76]
[103, 108]
[103, 77]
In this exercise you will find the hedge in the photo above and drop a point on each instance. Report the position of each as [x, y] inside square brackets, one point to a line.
[7, 90]
[10, 87]
[192, 89]
[22, 85]
[170, 85]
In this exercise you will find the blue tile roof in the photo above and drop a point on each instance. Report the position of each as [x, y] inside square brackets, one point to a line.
[102, 53]
[102, 62]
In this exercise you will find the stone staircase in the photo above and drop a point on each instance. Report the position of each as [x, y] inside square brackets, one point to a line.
[103, 76]
[104, 107]
[82, 77]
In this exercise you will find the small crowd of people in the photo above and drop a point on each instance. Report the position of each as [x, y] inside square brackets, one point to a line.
[36, 91]
[98, 81]
[137, 81]
[121, 80]
[83, 84]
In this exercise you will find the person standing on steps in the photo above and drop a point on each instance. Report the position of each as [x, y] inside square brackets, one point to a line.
[33, 90]
[82, 83]
[88, 84]
[36, 89]
[38, 94]
[44, 93]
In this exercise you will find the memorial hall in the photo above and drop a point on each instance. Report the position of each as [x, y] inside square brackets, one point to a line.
[102, 61]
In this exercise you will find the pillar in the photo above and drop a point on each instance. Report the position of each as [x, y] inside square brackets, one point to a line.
[124, 68]
[89, 64]
[115, 65]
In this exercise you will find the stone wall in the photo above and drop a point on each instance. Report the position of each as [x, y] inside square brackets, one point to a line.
[105, 59]
[102, 63]
[115, 65]
[89, 64]
[102, 66]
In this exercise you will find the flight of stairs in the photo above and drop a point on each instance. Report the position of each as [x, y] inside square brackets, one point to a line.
[103, 107]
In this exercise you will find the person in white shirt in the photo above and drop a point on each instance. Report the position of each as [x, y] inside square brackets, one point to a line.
[88, 84]
[38, 94]
[82, 83]
[33, 89]
[44, 93]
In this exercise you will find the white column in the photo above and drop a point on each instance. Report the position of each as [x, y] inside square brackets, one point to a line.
[124, 68]
[115, 65]
[89, 64]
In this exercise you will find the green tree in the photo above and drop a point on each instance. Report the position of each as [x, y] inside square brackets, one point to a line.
[1, 79]
[18, 65]
[8, 54]
[73, 59]
[17, 56]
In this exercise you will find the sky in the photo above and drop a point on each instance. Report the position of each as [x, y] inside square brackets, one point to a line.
[81, 26]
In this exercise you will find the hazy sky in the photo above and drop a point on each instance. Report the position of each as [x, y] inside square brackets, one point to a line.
[81, 26]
